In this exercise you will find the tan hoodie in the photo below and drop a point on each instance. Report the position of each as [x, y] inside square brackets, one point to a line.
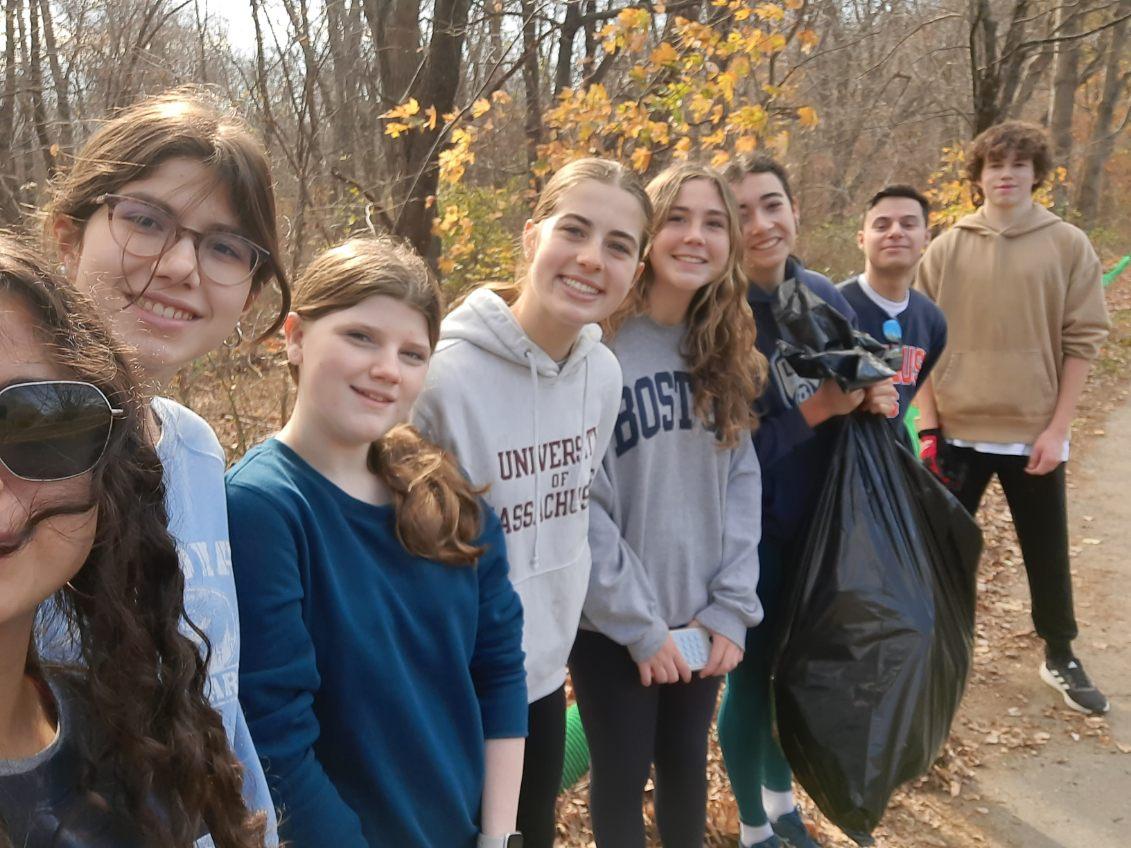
[1017, 302]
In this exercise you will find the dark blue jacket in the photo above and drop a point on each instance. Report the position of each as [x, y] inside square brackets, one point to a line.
[370, 677]
[794, 456]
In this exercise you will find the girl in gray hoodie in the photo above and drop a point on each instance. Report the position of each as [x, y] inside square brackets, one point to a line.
[675, 519]
[521, 390]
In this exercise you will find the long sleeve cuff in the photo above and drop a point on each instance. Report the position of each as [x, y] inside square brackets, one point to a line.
[727, 622]
[646, 647]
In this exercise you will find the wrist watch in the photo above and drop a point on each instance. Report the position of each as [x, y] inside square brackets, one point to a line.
[507, 840]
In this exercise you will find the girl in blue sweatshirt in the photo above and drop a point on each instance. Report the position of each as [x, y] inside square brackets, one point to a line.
[382, 673]
[794, 440]
[674, 518]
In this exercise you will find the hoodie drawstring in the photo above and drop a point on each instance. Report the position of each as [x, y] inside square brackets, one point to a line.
[584, 436]
[537, 499]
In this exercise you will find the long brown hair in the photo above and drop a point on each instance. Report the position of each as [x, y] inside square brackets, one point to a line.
[437, 509]
[159, 740]
[604, 171]
[191, 123]
[727, 371]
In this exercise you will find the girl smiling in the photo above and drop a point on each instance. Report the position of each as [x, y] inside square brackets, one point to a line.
[685, 342]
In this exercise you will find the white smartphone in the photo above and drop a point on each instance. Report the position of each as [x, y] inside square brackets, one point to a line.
[695, 645]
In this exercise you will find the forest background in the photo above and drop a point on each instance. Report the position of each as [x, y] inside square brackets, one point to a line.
[438, 120]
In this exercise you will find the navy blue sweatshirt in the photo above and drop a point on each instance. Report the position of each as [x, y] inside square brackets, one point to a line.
[923, 333]
[794, 456]
[370, 678]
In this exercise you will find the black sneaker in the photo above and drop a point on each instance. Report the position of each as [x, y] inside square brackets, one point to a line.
[1069, 679]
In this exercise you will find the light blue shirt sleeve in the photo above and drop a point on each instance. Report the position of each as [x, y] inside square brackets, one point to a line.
[198, 520]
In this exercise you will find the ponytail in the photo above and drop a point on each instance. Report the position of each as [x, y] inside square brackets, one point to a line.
[437, 509]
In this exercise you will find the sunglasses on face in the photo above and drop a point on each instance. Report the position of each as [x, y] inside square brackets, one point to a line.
[53, 429]
[147, 231]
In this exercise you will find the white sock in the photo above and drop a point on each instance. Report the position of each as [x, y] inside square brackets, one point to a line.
[777, 804]
[749, 834]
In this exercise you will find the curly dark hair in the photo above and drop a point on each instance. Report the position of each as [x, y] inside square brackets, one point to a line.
[1021, 138]
[158, 740]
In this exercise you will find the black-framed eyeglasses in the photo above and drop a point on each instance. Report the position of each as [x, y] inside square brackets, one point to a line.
[146, 230]
[53, 429]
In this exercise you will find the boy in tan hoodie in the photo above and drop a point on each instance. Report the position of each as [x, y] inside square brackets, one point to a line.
[1021, 291]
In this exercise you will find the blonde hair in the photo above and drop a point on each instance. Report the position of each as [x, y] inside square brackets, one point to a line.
[437, 509]
[572, 174]
[727, 371]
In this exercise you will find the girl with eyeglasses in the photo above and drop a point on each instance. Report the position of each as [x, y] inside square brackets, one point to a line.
[122, 749]
[167, 221]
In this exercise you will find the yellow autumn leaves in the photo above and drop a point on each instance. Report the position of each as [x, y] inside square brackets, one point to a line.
[705, 90]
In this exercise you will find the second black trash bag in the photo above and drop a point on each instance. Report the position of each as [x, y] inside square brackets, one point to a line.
[877, 645]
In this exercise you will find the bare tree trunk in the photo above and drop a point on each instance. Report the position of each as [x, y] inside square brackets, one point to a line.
[58, 78]
[495, 37]
[1065, 79]
[435, 85]
[589, 61]
[343, 117]
[201, 29]
[35, 80]
[570, 26]
[395, 29]
[1104, 133]
[9, 202]
[530, 82]
[995, 71]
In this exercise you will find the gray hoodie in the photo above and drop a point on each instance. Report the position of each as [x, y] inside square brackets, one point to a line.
[676, 521]
[534, 431]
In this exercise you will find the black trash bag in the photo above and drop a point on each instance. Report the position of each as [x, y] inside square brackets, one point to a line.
[878, 637]
[820, 343]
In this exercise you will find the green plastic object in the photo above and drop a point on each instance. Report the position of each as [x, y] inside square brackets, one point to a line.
[911, 422]
[1119, 268]
[576, 750]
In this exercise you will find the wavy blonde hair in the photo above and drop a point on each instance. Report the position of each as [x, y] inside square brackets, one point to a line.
[437, 509]
[727, 371]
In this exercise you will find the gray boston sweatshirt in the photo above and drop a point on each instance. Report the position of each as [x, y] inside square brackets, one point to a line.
[675, 520]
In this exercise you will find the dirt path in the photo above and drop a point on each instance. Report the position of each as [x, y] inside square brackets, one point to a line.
[1021, 770]
[1048, 777]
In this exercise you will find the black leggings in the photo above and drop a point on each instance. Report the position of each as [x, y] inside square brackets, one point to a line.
[1037, 504]
[542, 770]
[629, 726]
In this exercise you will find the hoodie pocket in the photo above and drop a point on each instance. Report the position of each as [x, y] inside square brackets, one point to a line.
[1007, 383]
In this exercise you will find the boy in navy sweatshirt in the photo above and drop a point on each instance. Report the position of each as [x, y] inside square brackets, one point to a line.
[893, 237]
